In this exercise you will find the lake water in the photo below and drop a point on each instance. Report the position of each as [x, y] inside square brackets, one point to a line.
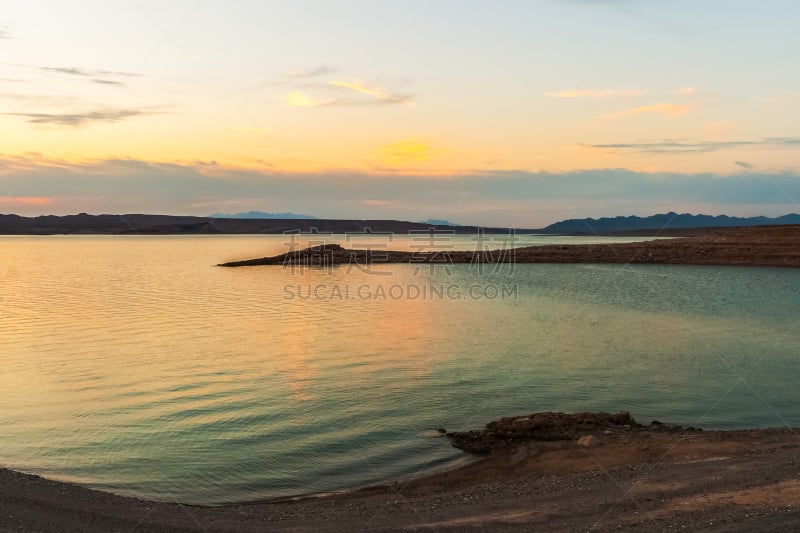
[134, 365]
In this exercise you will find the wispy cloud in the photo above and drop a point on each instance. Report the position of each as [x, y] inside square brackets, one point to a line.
[673, 146]
[302, 75]
[794, 142]
[743, 164]
[98, 76]
[373, 202]
[322, 70]
[405, 152]
[70, 71]
[686, 91]
[38, 99]
[4, 34]
[661, 108]
[521, 198]
[593, 93]
[25, 200]
[379, 93]
[107, 82]
[307, 91]
[84, 72]
[80, 119]
[298, 99]
[365, 95]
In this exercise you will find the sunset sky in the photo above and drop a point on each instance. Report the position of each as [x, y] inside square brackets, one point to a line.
[480, 112]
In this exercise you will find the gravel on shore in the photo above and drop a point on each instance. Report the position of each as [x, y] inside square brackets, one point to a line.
[630, 480]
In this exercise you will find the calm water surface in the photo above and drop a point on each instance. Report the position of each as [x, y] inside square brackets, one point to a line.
[132, 364]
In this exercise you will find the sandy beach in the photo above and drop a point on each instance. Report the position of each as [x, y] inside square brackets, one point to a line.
[638, 480]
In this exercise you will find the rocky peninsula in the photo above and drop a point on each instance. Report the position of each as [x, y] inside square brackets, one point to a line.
[776, 246]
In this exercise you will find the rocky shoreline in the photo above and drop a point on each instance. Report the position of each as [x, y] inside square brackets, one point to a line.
[554, 471]
[585, 428]
[777, 246]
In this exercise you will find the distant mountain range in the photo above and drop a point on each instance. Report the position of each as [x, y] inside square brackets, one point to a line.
[143, 224]
[267, 223]
[664, 221]
[261, 214]
[256, 215]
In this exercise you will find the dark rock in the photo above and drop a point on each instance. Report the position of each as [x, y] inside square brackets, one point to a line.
[511, 431]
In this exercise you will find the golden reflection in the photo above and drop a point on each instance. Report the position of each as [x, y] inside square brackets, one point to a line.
[397, 340]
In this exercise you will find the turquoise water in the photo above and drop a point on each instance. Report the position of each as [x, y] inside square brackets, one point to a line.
[132, 364]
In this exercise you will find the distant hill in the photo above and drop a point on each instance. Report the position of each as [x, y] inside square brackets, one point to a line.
[439, 222]
[663, 221]
[143, 224]
[261, 214]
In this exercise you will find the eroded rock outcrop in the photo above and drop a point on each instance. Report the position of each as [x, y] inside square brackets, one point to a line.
[509, 432]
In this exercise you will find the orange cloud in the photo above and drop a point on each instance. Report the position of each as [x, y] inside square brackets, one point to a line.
[661, 108]
[685, 91]
[588, 93]
[405, 152]
[378, 96]
[378, 203]
[297, 99]
[26, 200]
[376, 92]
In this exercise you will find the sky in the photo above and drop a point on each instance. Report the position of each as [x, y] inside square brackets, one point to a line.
[496, 112]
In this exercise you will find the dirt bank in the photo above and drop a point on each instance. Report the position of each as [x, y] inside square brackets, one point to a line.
[638, 478]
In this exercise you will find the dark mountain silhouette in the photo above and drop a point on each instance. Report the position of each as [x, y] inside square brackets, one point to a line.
[664, 221]
[188, 225]
[261, 214]
[168, 224]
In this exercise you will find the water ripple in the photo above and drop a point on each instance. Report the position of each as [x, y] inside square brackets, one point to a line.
[134, 365]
